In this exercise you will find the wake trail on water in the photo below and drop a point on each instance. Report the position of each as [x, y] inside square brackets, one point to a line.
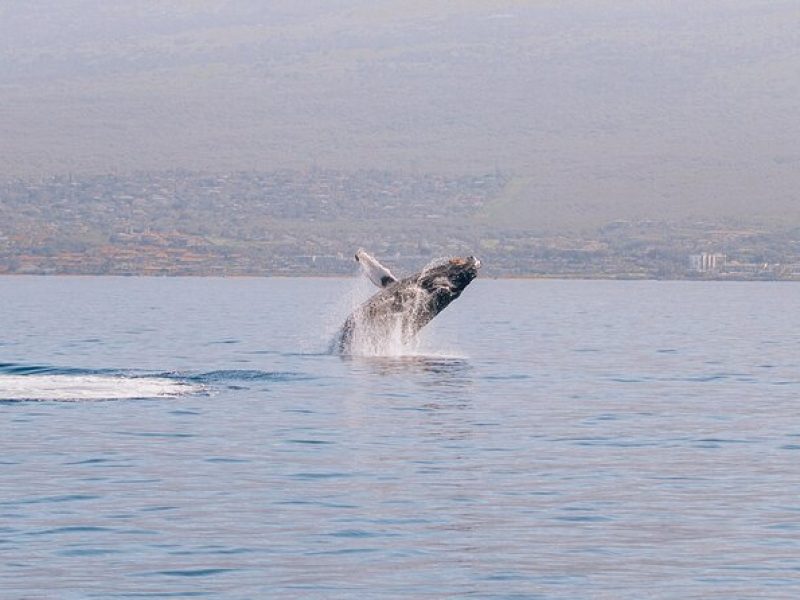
[87, 387]
[42, 383]
[20, 382]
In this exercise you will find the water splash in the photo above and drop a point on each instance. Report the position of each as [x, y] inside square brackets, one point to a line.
[391, 333]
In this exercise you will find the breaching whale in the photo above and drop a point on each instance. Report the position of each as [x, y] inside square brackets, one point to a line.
[402, 307]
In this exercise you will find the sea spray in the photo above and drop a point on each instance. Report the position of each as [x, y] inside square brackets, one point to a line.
[390, 334]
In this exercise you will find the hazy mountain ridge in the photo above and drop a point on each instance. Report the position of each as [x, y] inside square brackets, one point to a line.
[607, 112]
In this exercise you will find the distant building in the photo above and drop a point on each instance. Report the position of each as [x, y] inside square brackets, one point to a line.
[706, 263]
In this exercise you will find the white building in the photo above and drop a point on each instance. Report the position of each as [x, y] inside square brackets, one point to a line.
[706, 263]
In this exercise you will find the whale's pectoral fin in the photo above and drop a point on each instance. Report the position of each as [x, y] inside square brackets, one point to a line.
[377, 273]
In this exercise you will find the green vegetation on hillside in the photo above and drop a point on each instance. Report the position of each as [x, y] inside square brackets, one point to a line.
[311, 222]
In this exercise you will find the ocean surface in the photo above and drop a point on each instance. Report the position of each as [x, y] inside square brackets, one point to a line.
[177, 438]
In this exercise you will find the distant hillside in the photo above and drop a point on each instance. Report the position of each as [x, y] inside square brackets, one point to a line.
[599, 110]
[311, 222]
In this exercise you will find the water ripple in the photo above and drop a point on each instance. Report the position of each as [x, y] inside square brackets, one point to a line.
[246, 375]
[523, 471]
[190, 572]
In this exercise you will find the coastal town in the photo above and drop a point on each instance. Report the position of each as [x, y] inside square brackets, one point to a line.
[309, 223]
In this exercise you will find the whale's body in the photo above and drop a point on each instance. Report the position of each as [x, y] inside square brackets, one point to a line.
[402, 307]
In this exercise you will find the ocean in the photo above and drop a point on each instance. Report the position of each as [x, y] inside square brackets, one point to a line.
[181, 438]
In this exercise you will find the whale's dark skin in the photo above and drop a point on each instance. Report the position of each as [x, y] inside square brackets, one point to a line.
[406, 305]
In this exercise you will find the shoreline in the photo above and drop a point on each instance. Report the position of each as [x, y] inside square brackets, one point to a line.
[536, 277]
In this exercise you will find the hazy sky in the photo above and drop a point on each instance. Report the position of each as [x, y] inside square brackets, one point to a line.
[657, 106]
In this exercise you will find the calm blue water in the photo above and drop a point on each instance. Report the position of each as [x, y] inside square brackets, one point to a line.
[550, 439]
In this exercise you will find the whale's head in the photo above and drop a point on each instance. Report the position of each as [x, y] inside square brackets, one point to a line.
[446, 280]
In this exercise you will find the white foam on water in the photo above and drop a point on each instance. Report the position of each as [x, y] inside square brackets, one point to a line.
[90, 387]
[382, 341]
